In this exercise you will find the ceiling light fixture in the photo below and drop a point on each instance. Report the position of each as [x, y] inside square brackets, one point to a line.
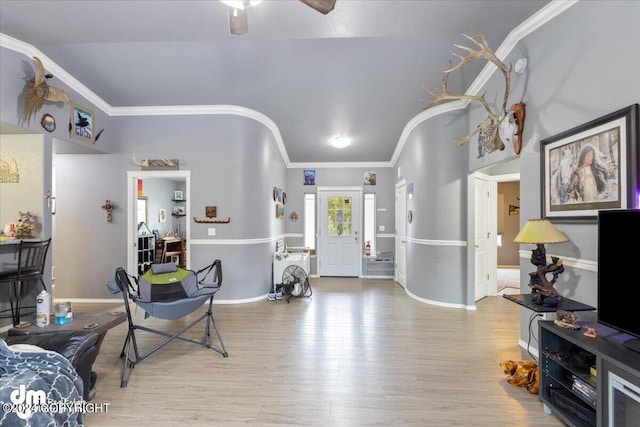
[241, 4]
[340, 141]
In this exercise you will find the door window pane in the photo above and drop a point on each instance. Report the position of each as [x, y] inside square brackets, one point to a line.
[310, 221]
[370, 220]
[339, 216]
[141, 211]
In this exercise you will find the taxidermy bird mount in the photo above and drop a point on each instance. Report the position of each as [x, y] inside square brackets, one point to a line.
[39, 91]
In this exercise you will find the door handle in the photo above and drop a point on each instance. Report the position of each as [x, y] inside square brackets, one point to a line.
[477, 246]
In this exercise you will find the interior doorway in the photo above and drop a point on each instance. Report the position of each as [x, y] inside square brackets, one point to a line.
[401, 233]
[485, 212]
[508, 225]
[176, 179]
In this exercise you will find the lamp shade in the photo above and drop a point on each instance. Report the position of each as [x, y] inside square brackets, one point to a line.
[540, 231]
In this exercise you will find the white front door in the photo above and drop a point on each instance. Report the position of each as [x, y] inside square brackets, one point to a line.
[401, 233]
[339, 234]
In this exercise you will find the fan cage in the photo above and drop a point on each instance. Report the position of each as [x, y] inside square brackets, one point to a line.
[295, 282]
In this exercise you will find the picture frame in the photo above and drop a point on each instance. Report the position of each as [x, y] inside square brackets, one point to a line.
[369, 178]
[162, 215]
[279, 211]
[178, 195]
[179, 210]
[82, 123]
[309, 177]
[211, 211]
[591, 167]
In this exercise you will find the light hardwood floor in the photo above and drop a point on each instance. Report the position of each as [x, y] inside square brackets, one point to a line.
[357, 353]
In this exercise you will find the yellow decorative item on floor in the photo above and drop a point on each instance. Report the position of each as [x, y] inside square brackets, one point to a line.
[522, 374]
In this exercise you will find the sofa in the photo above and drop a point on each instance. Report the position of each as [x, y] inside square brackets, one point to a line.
[78, 347]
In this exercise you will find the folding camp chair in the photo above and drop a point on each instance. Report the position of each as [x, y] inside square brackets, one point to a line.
[167, 291]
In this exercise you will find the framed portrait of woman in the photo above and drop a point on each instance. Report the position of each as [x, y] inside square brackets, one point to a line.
[591, 167]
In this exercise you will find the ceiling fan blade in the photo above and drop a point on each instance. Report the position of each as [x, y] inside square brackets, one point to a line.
[238, 21]
[322, 6]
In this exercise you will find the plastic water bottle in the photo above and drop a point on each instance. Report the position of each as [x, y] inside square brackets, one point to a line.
[43, 308]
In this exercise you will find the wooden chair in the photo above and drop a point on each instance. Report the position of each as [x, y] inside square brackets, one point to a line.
[31, 259]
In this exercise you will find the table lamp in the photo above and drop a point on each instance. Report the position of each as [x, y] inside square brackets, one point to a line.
[539, 232]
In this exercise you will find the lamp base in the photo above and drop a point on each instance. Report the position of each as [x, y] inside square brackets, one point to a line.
[542, 290]
[539, 298]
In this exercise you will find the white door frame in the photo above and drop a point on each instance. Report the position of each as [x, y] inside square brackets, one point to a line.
[492, 260]
[401, 240]
[319, 212]
[484, 213]
[132, 201]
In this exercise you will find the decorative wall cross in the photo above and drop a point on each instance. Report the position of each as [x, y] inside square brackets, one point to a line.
[108, 206]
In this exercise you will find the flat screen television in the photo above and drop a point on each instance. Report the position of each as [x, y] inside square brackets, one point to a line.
[619, 272]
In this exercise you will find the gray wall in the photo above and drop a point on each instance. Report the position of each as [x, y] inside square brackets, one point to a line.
[581, 66]
[219, 152]
[437, 168]
[344, 177]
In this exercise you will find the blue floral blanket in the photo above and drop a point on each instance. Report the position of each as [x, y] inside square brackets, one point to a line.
[38, 388]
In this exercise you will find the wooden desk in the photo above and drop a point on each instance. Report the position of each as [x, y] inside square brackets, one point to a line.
[170, 249]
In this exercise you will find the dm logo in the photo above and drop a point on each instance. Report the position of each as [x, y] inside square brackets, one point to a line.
[26, 400]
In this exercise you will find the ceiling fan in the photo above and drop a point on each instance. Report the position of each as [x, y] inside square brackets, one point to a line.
[238, 21]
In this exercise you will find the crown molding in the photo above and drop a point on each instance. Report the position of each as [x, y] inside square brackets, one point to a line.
[537, 20]
[183, 110]
[30, 51]
[321, 165]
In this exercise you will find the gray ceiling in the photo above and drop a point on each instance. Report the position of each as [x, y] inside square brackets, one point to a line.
[358, 70]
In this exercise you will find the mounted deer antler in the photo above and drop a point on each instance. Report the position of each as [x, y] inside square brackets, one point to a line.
[143, 163]
[488, 129]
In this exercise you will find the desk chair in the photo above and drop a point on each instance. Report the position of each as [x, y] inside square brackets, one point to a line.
[31, 259]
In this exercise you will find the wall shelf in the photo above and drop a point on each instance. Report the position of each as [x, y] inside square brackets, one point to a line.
[146, 252]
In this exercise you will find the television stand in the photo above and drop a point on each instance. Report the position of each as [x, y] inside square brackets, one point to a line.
[576, 371]
[632, 344]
